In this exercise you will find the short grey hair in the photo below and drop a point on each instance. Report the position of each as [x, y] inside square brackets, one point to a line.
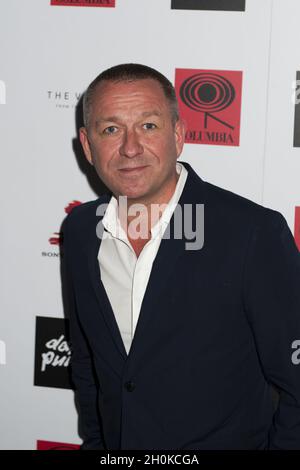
[130, 72]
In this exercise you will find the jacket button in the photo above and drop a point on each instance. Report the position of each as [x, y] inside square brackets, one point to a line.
[130, 386]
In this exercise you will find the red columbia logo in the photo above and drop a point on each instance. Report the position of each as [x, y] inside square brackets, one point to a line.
[210, 102]
[84, 3]
[297, 227]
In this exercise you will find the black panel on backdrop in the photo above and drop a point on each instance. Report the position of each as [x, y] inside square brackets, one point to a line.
[222, 5]
[52, 353]
[297, 112]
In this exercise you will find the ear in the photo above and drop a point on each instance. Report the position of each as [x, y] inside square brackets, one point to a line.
[179, 130]
[83, 136]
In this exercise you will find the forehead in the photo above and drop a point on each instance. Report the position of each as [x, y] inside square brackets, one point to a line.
[129, 95]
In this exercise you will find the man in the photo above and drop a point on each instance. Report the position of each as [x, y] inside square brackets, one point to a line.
[175, 346]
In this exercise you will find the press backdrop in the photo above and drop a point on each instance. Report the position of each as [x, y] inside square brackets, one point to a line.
[243, 135]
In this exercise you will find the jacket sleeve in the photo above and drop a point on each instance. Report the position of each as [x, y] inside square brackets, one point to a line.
[82, 369]
[272, 303]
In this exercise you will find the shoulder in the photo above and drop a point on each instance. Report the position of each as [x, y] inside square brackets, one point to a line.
[224, 207]
[80, 224]
[233, 219]
[86, 213]
[237, 209]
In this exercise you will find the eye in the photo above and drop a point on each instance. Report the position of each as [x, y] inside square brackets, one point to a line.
[110, 130]
[149, 126]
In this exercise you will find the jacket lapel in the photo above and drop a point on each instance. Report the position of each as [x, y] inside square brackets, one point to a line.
[168, 255]
[105, 310]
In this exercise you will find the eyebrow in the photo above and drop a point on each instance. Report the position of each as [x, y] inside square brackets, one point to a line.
[116, 118]
[151, 113]
[107, 119]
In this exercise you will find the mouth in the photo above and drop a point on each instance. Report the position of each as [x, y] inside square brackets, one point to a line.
[136, 169]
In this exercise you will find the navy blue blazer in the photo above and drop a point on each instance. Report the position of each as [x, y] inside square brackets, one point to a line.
[217, 327]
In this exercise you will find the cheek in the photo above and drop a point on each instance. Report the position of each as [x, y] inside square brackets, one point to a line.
[165, 150]
[160, 146]
[103, 152]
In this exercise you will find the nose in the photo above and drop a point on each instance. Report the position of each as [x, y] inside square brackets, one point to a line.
[131, 145]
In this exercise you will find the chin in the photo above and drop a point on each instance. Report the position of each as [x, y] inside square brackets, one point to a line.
[134, 195]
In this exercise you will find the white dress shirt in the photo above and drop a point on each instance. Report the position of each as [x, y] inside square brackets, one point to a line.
[124, 275]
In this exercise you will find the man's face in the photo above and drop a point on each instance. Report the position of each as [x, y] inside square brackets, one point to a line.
[132, 141]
